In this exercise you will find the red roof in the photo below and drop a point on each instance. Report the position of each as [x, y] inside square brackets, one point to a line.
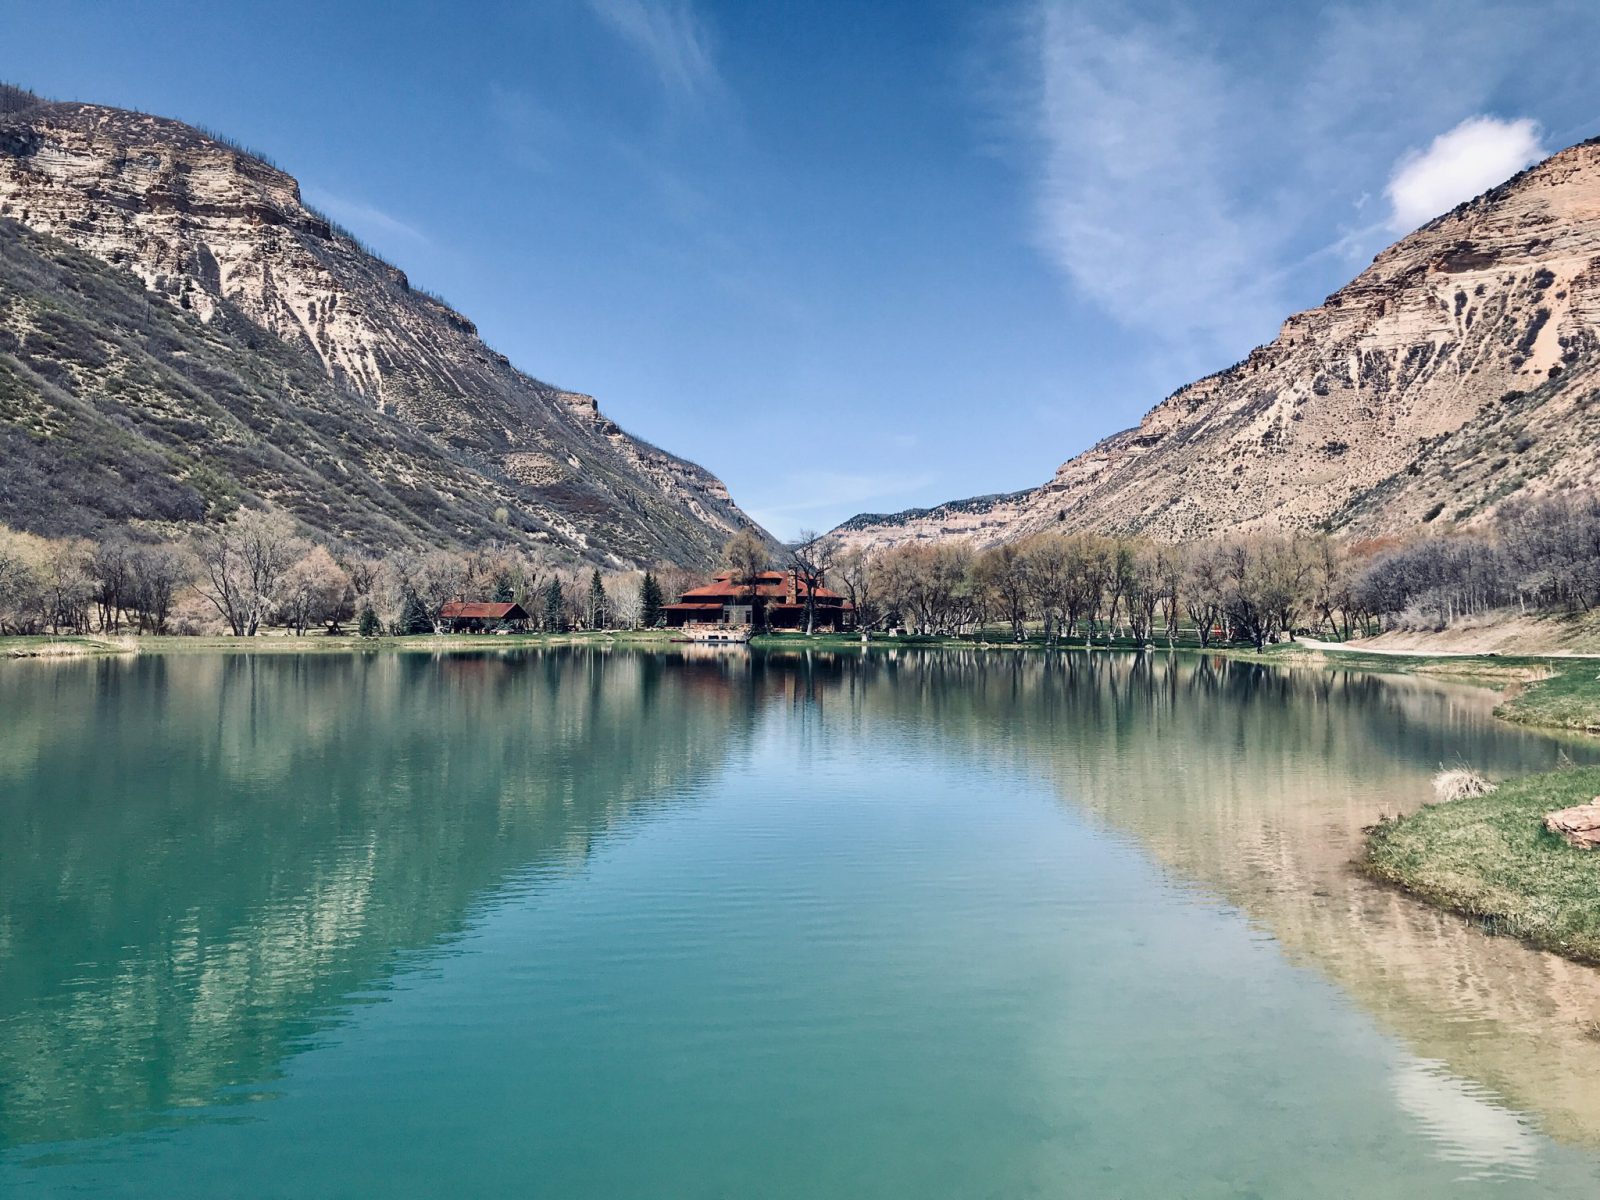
[773, 585]
[478, 610]
[695, 607]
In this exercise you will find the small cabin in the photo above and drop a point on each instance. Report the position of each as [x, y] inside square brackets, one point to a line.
[482, 616]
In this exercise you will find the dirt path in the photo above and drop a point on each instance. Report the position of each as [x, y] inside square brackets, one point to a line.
[1421, 652]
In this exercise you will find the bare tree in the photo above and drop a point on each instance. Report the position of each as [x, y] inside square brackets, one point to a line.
[317, 591]
[857, 572]
[1001, 576]
[156, 573]
[810, 558]
[243, 566]
[436, 579]
[110, 571]
[21, 598]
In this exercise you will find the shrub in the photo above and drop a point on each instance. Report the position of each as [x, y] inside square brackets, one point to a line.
[1460, 783]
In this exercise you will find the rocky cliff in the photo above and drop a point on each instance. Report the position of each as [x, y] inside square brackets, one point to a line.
[223, 239]
[1458, 370]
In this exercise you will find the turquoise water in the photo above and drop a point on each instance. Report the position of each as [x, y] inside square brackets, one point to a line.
[590, 924]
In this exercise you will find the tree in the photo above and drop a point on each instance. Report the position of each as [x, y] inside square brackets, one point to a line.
[316, 592]
[747, 556]
[595, 611]
[20, 584]
[437, 579]
[859, 576]
[414, 616]
[1205, 590]
[66, 585]
[244, 564]
[368, 626]
[555, 607]
[110, 570]
[650, 603]
[810, 558]
[1001, 574]
[625, 602]
[156, 573]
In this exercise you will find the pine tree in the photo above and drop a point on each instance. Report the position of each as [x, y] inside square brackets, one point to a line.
[555, 609]
[503, 592]
[650, 601]
[414, 617]
[369, 626]
[597, 601]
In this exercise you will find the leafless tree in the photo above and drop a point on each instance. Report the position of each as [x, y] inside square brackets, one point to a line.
[243, 566]
[316, 591]
[157, 572]
[810, 558]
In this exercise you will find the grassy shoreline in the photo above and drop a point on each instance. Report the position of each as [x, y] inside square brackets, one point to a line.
[1490, 859]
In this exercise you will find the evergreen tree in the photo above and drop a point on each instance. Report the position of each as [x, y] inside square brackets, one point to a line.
[414, 617]
[555, 609]
[650, 601]
[503, 591]
[369, 626]
[597, 601]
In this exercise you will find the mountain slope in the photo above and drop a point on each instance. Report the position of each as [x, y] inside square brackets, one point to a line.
[224, 239]
[1454, 372]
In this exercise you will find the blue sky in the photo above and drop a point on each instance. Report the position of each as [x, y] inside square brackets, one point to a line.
[858, 256]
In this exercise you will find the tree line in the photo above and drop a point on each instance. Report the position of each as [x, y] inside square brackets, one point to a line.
[1534, 556]
[257, 570]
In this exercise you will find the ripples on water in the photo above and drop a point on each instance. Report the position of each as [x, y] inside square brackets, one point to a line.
[618, 924]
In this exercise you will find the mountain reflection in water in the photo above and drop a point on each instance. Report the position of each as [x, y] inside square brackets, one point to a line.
[208, 863]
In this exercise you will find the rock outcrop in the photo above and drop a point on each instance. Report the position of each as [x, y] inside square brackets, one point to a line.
[223, 237]
[1578, 826]
[1458, 370]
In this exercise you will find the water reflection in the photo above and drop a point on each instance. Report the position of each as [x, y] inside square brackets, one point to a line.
[205, 860]
[200, 858]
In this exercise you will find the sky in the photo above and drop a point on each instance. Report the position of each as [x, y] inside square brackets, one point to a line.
[858, 256]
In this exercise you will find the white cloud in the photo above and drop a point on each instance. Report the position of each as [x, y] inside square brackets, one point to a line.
[1476, 155]
[1136, 157]
[1199, 178]
[366, 220]
[670, 34]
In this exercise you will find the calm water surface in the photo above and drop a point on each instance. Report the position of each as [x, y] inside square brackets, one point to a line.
[590, 924]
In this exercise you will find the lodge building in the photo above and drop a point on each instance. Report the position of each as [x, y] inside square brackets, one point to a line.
[771, 600]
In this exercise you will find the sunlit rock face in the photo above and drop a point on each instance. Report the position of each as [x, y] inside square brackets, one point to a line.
[1455, 372]
[215, 230]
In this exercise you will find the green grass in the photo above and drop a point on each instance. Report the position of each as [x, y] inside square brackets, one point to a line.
[64, 646]
[1568, 698]
[1491, 859]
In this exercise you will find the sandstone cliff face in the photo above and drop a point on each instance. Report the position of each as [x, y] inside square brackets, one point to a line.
[1453, 373]
[217, 231]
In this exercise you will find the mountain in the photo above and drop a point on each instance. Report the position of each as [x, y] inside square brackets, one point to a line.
[281, 361]
[1458, 370]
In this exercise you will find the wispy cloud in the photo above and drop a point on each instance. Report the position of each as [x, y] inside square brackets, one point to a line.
[527, 130]
[1458, 165]
[827, 497]
[1190, 178]
[367, 220]
[1136, 152]
[673, 39]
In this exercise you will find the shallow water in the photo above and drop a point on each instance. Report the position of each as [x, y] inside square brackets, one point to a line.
[590, 924]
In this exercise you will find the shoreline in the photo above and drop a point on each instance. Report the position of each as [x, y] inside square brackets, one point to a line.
[1556, 691]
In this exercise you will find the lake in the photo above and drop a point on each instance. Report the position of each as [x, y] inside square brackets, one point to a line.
[585, 923]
